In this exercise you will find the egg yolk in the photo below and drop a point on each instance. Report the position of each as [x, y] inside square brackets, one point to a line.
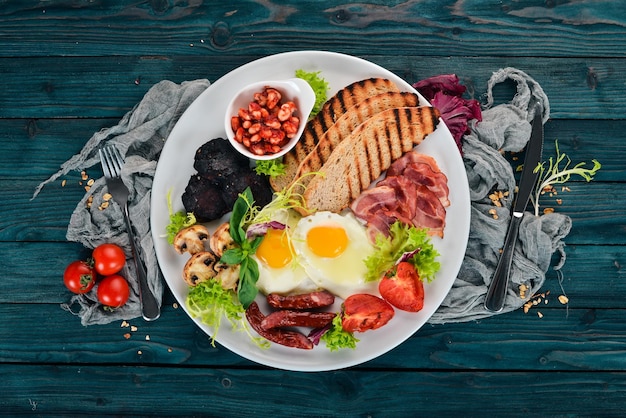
[275, 250]
[327, 241]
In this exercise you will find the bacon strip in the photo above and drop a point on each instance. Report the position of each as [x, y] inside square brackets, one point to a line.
[414, 192]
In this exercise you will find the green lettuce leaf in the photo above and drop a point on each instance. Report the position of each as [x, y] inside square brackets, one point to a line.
[319, 86]
[403, 239]
[336, 338]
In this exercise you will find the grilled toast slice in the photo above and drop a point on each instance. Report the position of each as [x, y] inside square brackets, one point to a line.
[344, 126]
[369, 150]
[332, 110]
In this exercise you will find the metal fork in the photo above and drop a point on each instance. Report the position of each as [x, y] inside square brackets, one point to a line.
[112, 162]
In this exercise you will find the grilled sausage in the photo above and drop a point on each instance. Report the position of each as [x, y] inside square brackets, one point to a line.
[304, 301]
[279, 336]
[291, 318]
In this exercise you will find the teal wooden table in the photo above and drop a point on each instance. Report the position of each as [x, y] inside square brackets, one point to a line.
[69, 69]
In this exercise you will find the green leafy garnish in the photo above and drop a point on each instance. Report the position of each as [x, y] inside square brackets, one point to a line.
[555, 174]
[240, 254]
[336, 338]
[403, 239]
[178, 220]
[288, 198]
[272, 168]
[210, 302]
[319, 86]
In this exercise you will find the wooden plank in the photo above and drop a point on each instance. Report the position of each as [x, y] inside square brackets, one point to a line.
[60, 85]
[593, 275]
[46, 217]
[597, 210]
[72, 390]
[578, 88]
[586, 338]
[35, 148]
[584, 140]
[520, 28]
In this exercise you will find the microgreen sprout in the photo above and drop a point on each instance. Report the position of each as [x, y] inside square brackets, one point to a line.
[555, 173]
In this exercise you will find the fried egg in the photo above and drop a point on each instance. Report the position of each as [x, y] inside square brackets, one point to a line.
[279, 271]
[332, 249]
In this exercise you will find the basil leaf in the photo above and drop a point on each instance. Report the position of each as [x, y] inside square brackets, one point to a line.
[232, 256]
[250, 247]
[253, 268]
[255, 244]
[240, 208]
[248, 276]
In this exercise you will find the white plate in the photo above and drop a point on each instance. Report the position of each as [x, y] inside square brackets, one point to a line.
[203, 121]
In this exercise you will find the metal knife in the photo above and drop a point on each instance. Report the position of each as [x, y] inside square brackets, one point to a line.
[496, 294]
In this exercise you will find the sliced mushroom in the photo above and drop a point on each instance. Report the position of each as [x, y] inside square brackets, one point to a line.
[200, 267]
[227, 275]
[221, 240]
[191, 239]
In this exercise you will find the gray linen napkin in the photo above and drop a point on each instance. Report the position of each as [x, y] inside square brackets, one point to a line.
[139, 136]
[504, 127]
[142, 131]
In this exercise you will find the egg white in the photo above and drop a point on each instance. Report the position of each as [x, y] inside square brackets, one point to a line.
[291, 278]
[343, 275]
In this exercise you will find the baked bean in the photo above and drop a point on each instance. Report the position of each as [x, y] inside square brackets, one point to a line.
[267, 124]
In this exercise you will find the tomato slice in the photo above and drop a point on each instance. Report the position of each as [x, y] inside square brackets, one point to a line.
[403, 289]
[362, 312]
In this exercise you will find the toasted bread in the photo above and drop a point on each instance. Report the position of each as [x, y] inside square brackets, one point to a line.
[333, 109]
[344, 126]
[363, 156]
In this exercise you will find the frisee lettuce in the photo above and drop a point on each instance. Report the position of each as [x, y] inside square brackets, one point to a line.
[336, 338]
[288, 198]
[319, 86]
[210, 302]
[178, 220]
[272, 168]
[403, 239]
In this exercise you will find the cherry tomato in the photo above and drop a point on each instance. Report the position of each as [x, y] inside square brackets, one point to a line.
[113, 291]
[79, 277]
[108, 259]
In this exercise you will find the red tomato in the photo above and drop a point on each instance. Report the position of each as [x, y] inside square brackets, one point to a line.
[113, 291]
[79, 277]
[362, 312]
[404, 289]
[108, 259]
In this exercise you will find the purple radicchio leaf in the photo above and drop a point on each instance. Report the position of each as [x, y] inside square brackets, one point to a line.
[256, 230]
[408, 255]
[456, 112]
[444, 92]
[316, 333]
[448, 83]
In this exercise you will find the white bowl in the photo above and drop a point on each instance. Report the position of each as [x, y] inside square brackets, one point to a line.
[293, 89]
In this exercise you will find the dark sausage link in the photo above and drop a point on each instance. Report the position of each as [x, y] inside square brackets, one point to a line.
[305, 301]
[279, 336]
[290, 318]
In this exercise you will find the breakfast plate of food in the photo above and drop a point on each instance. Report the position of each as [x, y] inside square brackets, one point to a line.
[332, 254]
